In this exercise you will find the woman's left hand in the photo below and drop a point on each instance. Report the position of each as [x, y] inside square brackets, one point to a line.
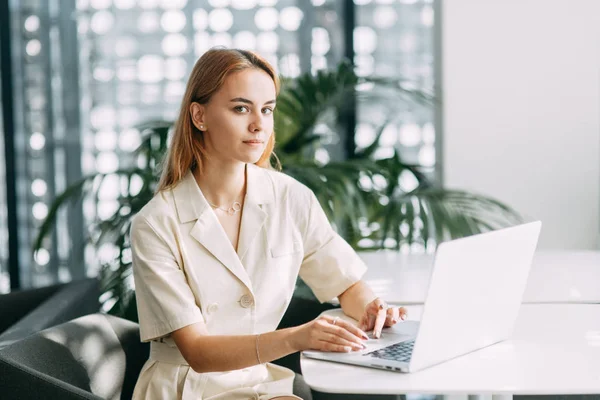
[378, 315]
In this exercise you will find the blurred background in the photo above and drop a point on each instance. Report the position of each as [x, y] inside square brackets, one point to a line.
[447, 115]
[414, 122]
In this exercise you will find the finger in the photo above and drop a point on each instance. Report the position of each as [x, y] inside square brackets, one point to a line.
[379, 321]
[389, 319]
[334, 336]
[393, 316]
[354, 331]
[372, 309]
[337, 333]
[329, 319]
[333, 347]
[337, 338]
[351, 332]
[375, 305]
[379, 304]
[403, 313]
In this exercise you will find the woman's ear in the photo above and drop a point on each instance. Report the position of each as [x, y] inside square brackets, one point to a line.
[197, 114]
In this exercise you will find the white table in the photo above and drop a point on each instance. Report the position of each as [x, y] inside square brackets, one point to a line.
[555, 349]
[556, 276]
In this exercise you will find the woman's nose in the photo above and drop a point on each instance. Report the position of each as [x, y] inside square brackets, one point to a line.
[256, 125]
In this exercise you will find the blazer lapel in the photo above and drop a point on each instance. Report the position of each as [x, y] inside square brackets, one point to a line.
[191, 205]
[253, 219]
[209, 232]
[259, 193]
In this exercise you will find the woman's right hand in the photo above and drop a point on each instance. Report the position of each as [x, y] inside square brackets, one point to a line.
[328, 334]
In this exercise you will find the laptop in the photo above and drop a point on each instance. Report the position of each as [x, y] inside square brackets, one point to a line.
[475, 292]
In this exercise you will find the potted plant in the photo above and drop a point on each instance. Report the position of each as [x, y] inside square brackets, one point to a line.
[369, 218]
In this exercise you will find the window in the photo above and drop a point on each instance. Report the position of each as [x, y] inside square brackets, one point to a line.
[86, 72]
[4, 277]
[394, 40]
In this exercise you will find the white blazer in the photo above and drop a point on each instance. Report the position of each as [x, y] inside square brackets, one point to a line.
[186, 271]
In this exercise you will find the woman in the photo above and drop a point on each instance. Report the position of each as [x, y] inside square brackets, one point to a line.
[217, 251]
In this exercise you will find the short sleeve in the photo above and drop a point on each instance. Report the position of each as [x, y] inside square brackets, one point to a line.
[330, 264]
[165, 302]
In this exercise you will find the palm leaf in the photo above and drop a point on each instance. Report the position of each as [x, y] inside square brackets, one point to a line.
[73, 193]
[306, 100]
[446, 215]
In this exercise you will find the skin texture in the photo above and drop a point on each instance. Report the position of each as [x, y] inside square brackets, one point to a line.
[241, 110]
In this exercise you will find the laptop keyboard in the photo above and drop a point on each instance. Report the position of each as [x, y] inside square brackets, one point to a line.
[398, 352]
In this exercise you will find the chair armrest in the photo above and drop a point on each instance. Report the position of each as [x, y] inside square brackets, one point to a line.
[71, 301]
[15, 305]
[94, 355]
[20, 382]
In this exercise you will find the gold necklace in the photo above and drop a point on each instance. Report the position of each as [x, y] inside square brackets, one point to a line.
[235, 207]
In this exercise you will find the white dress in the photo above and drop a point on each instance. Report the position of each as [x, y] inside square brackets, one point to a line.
[186, 271]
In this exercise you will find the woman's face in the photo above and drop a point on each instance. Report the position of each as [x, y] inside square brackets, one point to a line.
[238, 120]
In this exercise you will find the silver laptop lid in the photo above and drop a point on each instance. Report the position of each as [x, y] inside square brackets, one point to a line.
[475, 293]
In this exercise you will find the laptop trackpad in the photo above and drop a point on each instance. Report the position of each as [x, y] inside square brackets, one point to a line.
[397, 333]
[386, 339]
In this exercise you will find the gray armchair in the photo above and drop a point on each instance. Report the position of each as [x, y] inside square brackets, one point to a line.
[15, 305]
[97, 356]
[25, 312]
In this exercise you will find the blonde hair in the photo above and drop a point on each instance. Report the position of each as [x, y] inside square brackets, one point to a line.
[208, 76]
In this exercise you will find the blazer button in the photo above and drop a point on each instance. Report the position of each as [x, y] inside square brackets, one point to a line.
[213, 308]
[246, 301]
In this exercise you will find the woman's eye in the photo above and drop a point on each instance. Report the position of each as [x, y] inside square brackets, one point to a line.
[267, 111]
[241, 108]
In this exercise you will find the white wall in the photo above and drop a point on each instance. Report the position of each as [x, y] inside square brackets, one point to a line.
[521, 89]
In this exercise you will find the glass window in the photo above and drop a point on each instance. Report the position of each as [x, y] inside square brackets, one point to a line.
[394, 40]
[46, 137]
[88, 71]
[4, 278]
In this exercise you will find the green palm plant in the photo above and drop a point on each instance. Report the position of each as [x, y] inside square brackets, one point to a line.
[389, 216]
[369, 217]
